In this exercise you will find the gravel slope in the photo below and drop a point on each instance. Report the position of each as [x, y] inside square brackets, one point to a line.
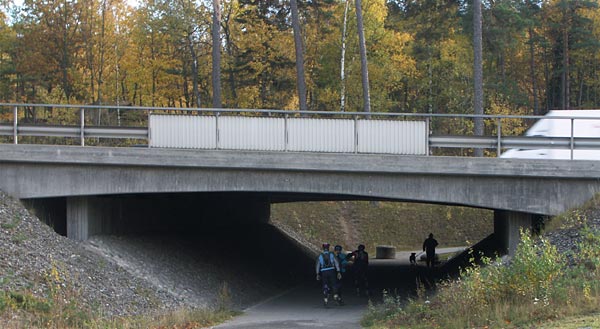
[120, 275]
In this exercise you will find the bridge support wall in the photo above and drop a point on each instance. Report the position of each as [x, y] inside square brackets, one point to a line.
[507, 226]
[51, 211]
[87, 216]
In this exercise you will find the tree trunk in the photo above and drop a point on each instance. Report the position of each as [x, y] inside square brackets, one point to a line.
[300, 78]
[343, 61]
[536, 105]
[477, 72]
[216, 54]
[565, 72]
[194, 56]
[230, 54]
[363, 57]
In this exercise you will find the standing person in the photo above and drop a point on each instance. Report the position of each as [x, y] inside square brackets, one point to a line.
[429, 248]
[342, 259]
[328, 269]
[360, 267]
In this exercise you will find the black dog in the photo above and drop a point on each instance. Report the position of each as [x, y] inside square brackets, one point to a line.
[413, 258]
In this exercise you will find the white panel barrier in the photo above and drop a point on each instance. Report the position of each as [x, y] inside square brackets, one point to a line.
[303, 134]
[183, 131]
[321, 135]
[245, 133]
[392, 137]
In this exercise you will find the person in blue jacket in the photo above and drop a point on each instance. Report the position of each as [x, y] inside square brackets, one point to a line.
[328, 270]
[342, 259]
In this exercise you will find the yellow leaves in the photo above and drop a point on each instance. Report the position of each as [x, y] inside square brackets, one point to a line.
[53, 278]
[514, 127]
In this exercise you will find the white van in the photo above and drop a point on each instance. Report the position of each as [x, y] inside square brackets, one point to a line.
[582, 128]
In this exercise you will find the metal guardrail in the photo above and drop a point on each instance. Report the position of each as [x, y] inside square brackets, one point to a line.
[82, 130]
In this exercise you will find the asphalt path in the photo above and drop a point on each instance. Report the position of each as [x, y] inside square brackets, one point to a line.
[302, 307]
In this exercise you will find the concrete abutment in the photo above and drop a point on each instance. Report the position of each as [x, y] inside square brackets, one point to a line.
[508, 226]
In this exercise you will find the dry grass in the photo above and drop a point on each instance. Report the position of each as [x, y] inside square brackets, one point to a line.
[59, 305]
[403, 225]
[23, 310]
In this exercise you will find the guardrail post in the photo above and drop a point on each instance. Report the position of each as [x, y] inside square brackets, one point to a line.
[356, 134]
[217, 130]
[499, 127]
[15, 126]
[82, 126]
[149, 136]
[572, 136]
[285, 133]
[427, 133]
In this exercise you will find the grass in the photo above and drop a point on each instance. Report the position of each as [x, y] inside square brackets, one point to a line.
[36, 312]
[12, 224]
[589, 321]
[403, 225]
[535, 289]
[19, 238]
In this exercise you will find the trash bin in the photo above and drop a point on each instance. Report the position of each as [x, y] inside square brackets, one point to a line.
[385, 252]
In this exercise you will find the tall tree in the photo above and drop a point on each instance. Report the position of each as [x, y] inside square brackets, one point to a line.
[363, 57]
[478, 72]
[216, 54]
[343, 59]
[53, 29]
[265, 65]
[300, 77]
[570, 34]
[187, 25]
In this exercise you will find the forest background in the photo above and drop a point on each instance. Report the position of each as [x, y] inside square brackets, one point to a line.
[537, 55]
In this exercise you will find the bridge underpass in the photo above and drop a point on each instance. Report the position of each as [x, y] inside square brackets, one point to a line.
[81, 217]
[228, 224]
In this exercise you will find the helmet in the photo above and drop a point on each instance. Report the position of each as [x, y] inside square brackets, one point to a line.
[361, 247]
[325, 246]
[337, 248]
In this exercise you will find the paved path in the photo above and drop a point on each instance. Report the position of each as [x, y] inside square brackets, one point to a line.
[300, 307]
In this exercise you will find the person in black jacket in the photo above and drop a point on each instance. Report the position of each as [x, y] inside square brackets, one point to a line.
[429, 248]
[360, 268]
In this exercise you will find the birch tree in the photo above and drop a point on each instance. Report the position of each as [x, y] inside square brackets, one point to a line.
[363, 57]
[343, 60]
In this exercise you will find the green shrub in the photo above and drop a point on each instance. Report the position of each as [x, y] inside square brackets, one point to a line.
[3, 301]
[536, 286]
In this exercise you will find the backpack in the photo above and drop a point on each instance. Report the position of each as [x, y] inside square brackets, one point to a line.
[326, 260]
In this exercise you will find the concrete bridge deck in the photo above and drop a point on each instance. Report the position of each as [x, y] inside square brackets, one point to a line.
[515, 188]
[532, 186]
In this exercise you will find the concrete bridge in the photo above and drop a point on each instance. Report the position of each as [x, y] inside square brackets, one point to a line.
[96, 188]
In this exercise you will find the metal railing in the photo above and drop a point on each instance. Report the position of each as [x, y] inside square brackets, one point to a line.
[82, 126]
